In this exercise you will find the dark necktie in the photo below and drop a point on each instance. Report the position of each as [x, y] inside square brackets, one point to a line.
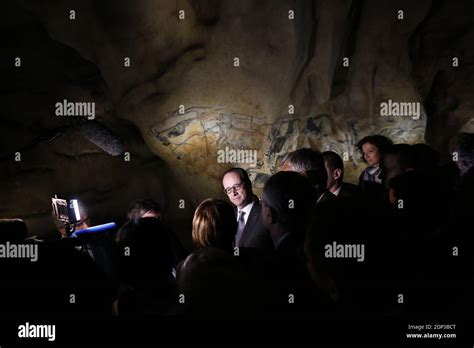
[240, 228]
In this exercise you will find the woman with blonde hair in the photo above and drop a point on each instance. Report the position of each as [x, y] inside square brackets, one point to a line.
[214, 224]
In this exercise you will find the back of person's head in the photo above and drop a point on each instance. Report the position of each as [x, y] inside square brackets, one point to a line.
[333, 161]
[12, 230]
[381, 142]
[426, 158]
[213, 283]
[147, 250]
[406, 155]
[143, 208]
[409, 192]
[214, 224]
[290, 198]
[462, 145]
[398, 158]
[310, 163]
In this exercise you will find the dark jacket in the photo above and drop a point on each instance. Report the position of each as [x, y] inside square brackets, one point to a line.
[349, 191]
[255, 235]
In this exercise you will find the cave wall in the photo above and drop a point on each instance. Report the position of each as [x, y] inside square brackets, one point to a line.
[182, 99]
[55, 158]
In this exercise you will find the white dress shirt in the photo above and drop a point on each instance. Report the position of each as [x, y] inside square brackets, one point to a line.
[336, 193]
[246, 210]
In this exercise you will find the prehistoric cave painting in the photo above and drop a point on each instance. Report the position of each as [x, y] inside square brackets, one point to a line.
[283, 136]
[258, 178]
[197, 133]
[320, 131]
[214, 126]
[329, 133]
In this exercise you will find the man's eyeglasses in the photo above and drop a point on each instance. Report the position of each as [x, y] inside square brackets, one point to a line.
[233, 188]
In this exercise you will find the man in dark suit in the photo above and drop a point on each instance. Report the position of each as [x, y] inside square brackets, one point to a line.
[335, 182]
[287, 224]
[251, 232]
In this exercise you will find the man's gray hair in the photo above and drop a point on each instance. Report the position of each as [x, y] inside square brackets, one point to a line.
[304, 160]
[309, 162]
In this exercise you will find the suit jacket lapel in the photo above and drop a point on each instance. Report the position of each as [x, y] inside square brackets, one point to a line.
[251, 221]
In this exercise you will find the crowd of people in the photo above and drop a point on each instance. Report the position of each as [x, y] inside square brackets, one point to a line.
[312, 245]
